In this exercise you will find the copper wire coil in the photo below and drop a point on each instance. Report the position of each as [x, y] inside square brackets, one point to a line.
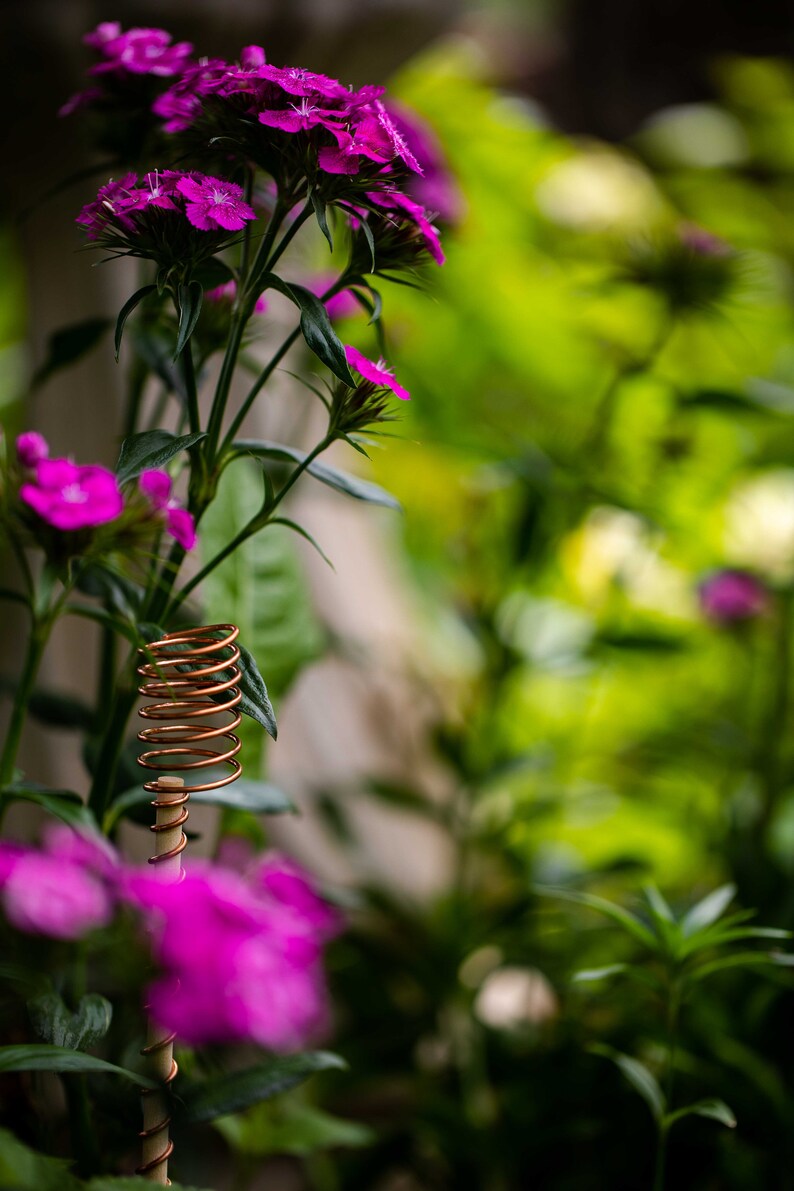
[191, 675]
[194, 674]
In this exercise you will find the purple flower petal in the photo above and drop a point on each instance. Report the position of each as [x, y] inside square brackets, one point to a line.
[71, 497]
[156, 486]
[31, 448]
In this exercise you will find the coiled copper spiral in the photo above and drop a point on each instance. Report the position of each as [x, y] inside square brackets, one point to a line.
[192, 675]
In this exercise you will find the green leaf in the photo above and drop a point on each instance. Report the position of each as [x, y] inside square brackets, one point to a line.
[587, 975]
[261, 587]
[638, 1076]
[42, 1057]
[707, 911]
[715, 937]
[304, 533]
[316, 327]
[151, 449]
[54, 1023]
[339, 480]
[258, 798]
[321, 216]
[289, 1127]
[24, 1169]
[255, 700]
[68, 345]
[190, 299]
[127, 310]
[622, 917]
[740, 959]
[714, 1110]
[240, 1089]
[65, 805]
[114, 589]
[212, 273]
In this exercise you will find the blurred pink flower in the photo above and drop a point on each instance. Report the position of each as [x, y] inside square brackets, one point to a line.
[730, 596]
[238, 961]
[31, 448]
[63, 891]
[138, 51]
[228, 292]
[70, 496]
[156, 487]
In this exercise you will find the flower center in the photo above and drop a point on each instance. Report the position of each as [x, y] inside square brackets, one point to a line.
[219, 197]
[73, 494]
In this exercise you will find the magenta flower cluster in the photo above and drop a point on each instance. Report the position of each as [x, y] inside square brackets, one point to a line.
[156, 486]
[209, 204]
[240, 956]
[71, 496]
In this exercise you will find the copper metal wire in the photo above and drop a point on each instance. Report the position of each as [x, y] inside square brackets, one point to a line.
[192, 675]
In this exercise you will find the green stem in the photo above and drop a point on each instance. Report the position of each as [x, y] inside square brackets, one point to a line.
[253, 526]
[81, 1126]
[268, 371]
[191, 389]
[661, 1156]
[37, 642]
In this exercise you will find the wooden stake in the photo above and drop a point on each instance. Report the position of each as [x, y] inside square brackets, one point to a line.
[158, 1041]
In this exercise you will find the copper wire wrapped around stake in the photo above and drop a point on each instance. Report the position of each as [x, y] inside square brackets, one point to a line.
[193, 674]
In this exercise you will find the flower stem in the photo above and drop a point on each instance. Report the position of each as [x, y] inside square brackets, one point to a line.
[37, 642]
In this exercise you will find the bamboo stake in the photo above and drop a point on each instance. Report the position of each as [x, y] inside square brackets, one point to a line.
[167, 860]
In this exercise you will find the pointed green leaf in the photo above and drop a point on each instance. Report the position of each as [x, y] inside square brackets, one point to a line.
[246, 794]
[707, 911]
[587, 975]
[151, 449]
[240, 1089]
[65, 805]
[190, 299]
[25, 1169]
[638, 1076]
[54, 1023]
[714, 1110]
[68, 345]
[42, 1057]
[304, 533]
[341, 481]
[622, 917]
[127, 310]
[255, 700]
[740, 959]
[316, 327]
[321, 216]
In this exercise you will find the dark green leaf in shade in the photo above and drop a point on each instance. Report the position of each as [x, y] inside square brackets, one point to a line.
[638, 1076]
[68, 345]
[289, 1126]
[190, 298]
[622, 917]
[212, 273]
[240, 1089]
[42, 1057]
[321, 215]
[714, 1110]
[246, 794]
[25, 1169]
[54, 1023]
[255, 700]
[151, 449]
[127, 310]
[65, 805]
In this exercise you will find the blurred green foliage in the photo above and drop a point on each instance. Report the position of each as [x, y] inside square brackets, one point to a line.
[603, 416]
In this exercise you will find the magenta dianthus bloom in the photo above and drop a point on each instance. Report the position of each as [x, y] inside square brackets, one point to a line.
[156, 487]
[214, 203]
[138, 51]
[239, 961]
[292, 886]
[378, 373]
[31, 448]
[70, 496]
[62, 892]
[731, 596]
